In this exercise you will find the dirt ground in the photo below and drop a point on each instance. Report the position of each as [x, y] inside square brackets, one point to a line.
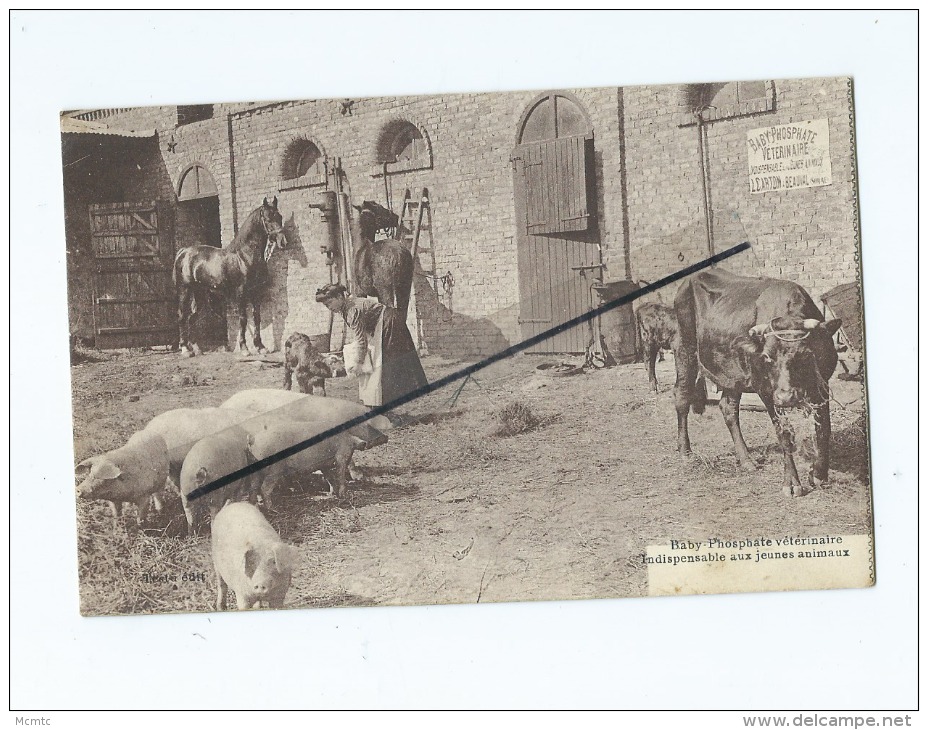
[449, 512]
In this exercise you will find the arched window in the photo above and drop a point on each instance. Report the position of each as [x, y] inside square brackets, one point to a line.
[195, 183]
[552, 116]
[402, 146]
[732, 99]
[304, 165]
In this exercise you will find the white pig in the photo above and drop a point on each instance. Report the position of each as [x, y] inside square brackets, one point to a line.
[211, 458]
[181, 428]
[332, 456]
[134, 473]
[250, 558]
[302, 407]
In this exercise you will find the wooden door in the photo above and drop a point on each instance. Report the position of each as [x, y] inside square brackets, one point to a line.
[133, 303]
[555, 228]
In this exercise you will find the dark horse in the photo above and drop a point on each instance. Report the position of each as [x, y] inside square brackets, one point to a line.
[239, 270]
[384, 268]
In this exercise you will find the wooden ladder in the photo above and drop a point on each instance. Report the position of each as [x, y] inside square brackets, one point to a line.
[416, 220]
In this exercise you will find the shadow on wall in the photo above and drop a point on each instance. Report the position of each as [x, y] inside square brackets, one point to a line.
[447, 332]
[278, 295]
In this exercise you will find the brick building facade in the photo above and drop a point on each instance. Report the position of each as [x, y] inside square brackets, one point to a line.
[646, 204]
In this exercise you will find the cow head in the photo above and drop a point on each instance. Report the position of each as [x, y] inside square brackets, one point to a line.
[790, 359]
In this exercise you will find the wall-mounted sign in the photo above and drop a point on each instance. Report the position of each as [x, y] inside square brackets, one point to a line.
[789, 156]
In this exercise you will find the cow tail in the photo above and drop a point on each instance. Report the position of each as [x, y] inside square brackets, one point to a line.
[698, 402]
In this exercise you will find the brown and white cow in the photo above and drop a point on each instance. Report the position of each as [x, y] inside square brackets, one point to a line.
[755, 335]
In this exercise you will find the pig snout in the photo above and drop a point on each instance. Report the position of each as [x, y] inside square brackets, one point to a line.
[263, 582]
[85, 488]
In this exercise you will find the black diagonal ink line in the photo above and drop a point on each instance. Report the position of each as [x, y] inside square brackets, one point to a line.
[464, 372]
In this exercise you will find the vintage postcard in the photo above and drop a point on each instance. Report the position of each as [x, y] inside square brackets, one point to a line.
[465, 348]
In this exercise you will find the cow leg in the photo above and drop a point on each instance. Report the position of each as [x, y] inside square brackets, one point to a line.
[818, 474]
[653, 351]
[730, 405]
[792, 487]
[683, 391]
[256, 311]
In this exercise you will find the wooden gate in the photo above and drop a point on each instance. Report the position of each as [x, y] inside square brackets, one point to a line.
[133, 298]
[558, 258]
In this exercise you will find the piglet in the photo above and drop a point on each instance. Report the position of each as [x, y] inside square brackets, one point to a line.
[250, 558]
[209, 459]
[134, 473]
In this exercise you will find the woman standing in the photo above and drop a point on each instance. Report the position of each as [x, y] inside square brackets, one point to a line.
[384, 356]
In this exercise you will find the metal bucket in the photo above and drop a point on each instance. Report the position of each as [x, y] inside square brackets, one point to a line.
[618, 326]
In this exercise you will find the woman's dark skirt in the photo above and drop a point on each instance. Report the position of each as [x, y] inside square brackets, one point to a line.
[402, 370]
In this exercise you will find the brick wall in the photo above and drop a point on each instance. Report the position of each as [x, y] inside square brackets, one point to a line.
[807, 235]
[648, 195]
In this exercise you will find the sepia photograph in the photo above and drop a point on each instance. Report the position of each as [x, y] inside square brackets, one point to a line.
[244, 278]
[463, 359]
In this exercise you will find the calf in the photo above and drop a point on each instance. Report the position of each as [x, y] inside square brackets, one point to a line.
[332, 456]
[657, 330]
[134, 473]
[311, 367]
[250, 558]
[210, 459]
[764, 336]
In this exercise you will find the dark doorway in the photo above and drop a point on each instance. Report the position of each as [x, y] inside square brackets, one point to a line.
[198, 224]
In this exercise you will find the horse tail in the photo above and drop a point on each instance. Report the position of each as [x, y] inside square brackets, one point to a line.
[181, 272]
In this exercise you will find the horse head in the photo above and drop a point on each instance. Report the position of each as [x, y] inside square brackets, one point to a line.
[374, 217]
[273, 223]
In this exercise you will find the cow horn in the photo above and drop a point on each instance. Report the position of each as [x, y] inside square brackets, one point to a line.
[757, 330]
[810, 324]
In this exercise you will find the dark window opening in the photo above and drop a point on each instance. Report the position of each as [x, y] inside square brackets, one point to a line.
[732, 99]
[193, 113]
[304, 165]
[402, 147]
